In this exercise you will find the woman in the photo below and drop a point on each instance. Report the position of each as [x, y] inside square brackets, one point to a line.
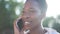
[30, 21]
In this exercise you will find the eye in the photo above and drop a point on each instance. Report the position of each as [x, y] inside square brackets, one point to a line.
[32, 11]
[23, 12]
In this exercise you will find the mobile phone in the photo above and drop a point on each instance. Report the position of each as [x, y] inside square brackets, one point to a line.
[20, 24]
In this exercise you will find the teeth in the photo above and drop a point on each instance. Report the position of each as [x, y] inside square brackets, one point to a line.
[26, 23]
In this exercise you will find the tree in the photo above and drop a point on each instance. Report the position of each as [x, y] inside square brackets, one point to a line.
[47, 21]
[7, 15]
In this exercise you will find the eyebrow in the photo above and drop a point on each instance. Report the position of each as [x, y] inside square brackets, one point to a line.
[31, 9]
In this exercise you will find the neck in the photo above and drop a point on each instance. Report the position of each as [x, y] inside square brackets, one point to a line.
[37, 30]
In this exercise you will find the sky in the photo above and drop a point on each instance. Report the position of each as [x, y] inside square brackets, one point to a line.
[53, 7]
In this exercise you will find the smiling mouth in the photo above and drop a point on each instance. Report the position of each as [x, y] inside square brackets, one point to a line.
[27, 23]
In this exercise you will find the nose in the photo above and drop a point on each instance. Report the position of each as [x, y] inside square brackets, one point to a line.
[27, 16]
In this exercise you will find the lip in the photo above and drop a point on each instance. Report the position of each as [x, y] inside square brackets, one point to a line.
[27, 20]
[28, 23]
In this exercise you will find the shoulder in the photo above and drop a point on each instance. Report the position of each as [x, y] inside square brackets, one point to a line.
[51, 31]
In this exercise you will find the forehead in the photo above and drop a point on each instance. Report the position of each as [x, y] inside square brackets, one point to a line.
[31, 5]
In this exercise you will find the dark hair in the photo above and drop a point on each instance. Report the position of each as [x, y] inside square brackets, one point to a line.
[43, 5]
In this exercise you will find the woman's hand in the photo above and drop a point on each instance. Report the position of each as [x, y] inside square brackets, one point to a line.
[21, 27]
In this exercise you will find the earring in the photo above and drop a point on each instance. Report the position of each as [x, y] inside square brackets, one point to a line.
[26, 31]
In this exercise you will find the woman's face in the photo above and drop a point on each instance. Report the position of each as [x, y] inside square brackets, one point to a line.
[32, 14]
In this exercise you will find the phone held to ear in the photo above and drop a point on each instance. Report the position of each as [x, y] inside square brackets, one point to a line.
[21, 25]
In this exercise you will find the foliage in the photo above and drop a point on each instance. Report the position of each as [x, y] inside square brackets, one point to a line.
[55, 22]
[7, 15]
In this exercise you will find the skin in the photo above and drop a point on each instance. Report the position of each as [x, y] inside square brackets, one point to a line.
[33, 15]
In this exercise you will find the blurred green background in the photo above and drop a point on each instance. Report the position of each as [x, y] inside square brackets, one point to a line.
[11, 9]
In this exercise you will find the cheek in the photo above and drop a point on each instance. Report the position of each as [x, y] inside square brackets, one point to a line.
[37, 15]
[36, 18]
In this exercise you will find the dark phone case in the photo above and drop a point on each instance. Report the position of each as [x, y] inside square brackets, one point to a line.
[20, 24]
